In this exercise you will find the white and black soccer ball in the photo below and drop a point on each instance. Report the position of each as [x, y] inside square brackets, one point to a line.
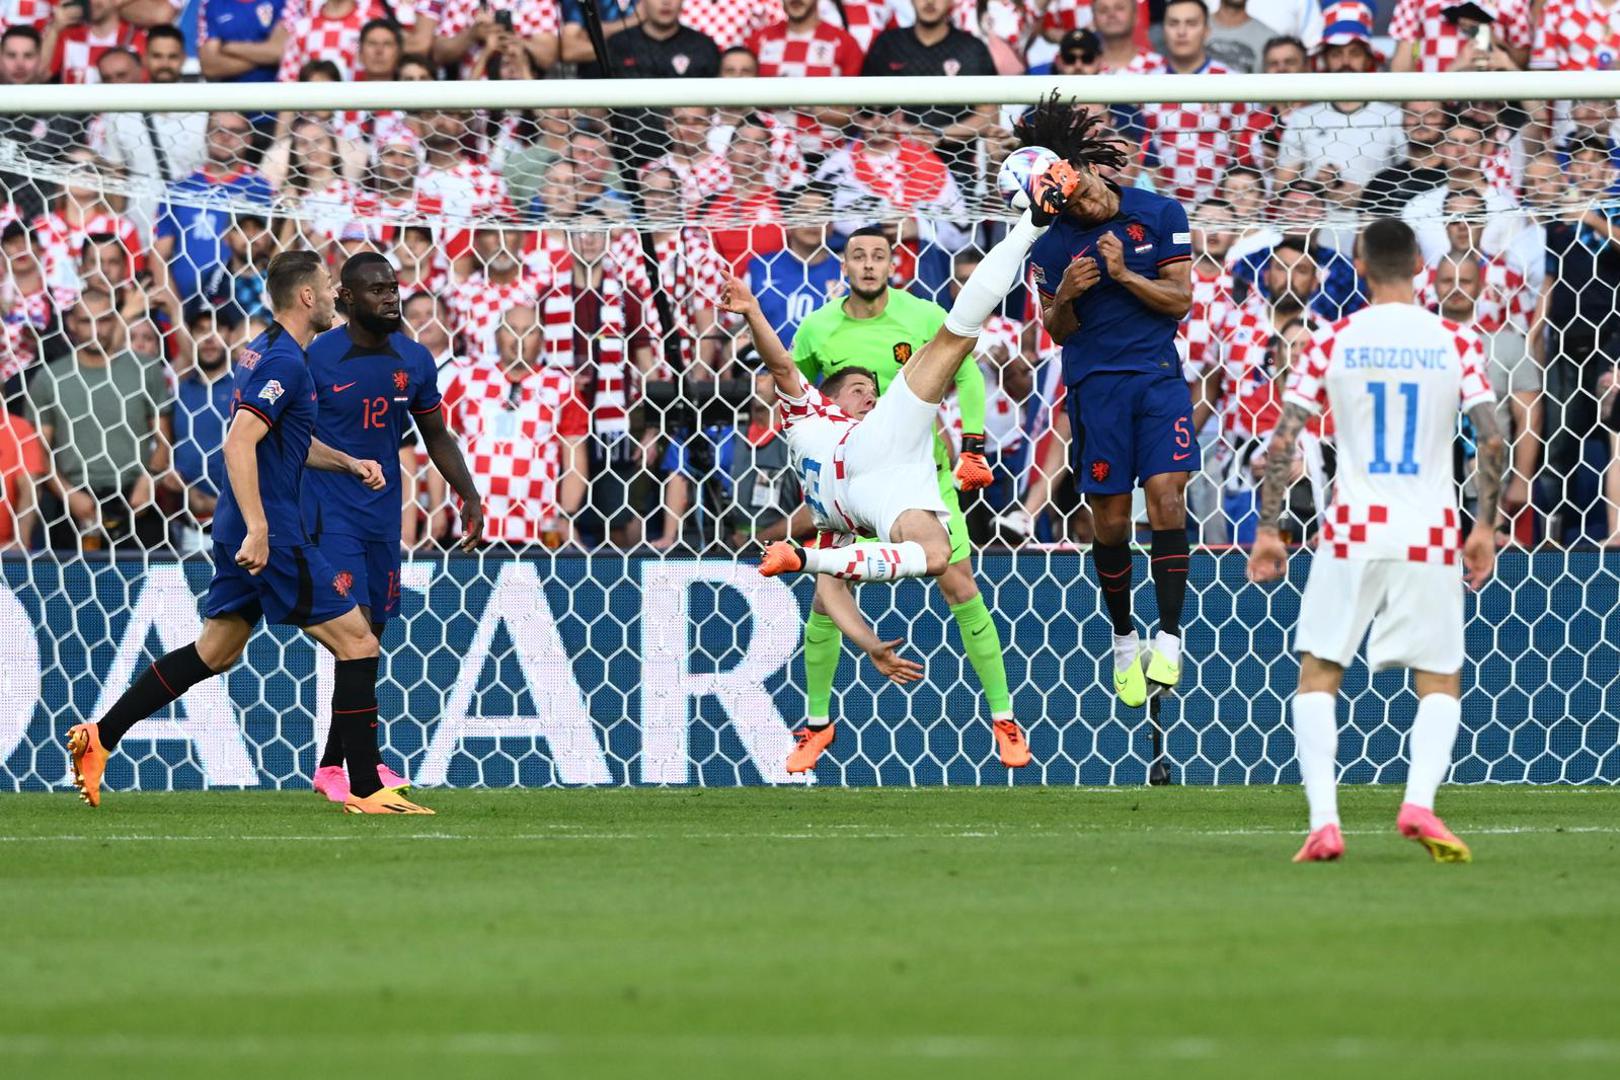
[1021, 169]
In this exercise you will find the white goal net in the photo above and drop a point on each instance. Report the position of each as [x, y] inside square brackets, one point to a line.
[614, 630]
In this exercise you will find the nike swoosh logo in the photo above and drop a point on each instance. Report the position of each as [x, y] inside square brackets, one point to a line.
[339, 389]
[980, 630]
[1181, 457]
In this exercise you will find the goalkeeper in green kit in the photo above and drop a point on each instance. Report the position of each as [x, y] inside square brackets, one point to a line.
[877, 328]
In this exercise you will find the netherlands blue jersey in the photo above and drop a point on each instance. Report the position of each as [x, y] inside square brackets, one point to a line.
[272, 381]
[367, 399]
[1117, 331]
[788, 289]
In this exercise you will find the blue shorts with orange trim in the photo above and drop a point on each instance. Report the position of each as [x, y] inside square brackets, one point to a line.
[1128, 426]
[297, 587]
[368, 570]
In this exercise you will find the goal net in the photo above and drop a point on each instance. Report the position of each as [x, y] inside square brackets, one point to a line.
[561, 248]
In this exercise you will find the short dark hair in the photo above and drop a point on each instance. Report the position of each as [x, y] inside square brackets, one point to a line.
[384, 24]
[27, 33]
[165, 30]
[320, 67]
[420, 60]
[1281, 41]
[1201, 8]
[119, 50]
[834, 382]
[1586, 141]
[289, 272]
[13, 230]
[745, 50]
[871, 230]
[1388, 249]
[359, 263]
[1292, 243]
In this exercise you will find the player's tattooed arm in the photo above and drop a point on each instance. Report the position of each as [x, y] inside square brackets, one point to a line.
[1490, 460]
[327, 459]
[1280, 464]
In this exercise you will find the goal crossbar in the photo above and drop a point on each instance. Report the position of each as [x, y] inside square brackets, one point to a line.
[784, 93]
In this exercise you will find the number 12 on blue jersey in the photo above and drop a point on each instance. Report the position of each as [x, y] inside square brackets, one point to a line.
[1408, 465]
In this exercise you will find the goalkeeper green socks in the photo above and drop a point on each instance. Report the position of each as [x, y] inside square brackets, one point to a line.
[983, 646]
[823, 645]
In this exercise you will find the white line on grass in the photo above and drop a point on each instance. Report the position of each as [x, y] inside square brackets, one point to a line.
[463, 1045]
[844, 833]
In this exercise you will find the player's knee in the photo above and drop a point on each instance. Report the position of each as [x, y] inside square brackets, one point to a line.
[1168, 507]
[938, 553]
[957, 583]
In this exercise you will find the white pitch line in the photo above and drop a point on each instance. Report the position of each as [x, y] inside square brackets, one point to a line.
[845, 833]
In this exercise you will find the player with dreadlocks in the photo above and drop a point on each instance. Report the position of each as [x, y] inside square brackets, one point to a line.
[1114, 274]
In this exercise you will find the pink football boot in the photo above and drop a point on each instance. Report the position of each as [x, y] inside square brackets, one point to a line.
[333, 782]
[1323, 845]
[1420, 824]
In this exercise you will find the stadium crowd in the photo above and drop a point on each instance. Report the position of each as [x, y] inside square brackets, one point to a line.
[564, 266]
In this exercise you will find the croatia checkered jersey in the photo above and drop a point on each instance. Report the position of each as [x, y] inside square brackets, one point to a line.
[1576, 35]
[815, 430]
[1423, 23]
[1396, 377]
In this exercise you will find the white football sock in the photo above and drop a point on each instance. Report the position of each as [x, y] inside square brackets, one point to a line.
[1168, 646]
[1316, 739]
[1126, 646]
[1434, 736]
[869, 561]
[993, 278]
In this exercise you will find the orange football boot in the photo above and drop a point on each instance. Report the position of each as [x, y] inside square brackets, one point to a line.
[781, 557]
[89, 759]
[810, 744]
[383, 801]
[1012, 744]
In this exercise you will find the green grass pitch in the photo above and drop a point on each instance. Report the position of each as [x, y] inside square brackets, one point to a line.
[806, 933]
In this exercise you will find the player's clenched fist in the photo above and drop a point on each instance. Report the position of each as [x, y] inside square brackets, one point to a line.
[369, 472]
[1113, 253]
[1268, 558]
[972, 470]
[254, 552]
[1082, 274]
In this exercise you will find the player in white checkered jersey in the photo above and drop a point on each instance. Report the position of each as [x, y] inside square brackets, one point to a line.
[1396, 377]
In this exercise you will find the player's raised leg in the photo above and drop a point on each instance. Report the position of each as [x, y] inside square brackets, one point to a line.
[1429, 747]
[90, 745]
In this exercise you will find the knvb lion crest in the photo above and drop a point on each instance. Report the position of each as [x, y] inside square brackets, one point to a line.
[343, 582]
[401, 381]
[1135, 232]
[902, 351]
[1099, 471]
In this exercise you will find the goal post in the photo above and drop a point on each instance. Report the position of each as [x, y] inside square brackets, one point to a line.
[615, 631]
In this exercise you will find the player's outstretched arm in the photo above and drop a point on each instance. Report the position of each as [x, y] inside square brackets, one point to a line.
[327, 459]
[839, 604]
[1268, 558]
[738, 299]
[445, 452]
[1490, 461]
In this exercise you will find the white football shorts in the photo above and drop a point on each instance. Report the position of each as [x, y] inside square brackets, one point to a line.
[1414, 610]
[888, 461]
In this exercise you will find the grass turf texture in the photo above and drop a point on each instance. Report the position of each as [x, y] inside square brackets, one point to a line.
[803, 933]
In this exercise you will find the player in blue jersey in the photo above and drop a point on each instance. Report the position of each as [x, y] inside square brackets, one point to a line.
[264, 565]
[372, 382]
[1114, 273]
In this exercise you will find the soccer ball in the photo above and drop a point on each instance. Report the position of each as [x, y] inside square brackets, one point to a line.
[1019, 171]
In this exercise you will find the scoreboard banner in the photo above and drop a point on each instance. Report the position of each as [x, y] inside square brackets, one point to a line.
[578, 671]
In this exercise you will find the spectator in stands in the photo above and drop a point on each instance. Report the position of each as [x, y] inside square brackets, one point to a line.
[730, 23]
[1300, 19]
[1338, 289]
[659, 47]
[330, 30]
[525, 167]
[805, 46]
[239, 42]
[382, 43]
[690, 274]
[193, 428]
[1237, 39]
[1440, 35]
[1504, 299]
[597, 186]
[746, 217]
[766, 501]
[885, 173]
[1078, 53]
[932, 46]
[498, 283]
[238, 286]
[83, 207]
[793, 282]
[1463, 152]
[189, 240]
[739, 62]
[118, 66]
[315, 197]
[388, 193]
[427, 319]
[1422, 167]
[1260, 138]
[471, 28]
[43, 138]
[616, 15]
[1459, 280]
[451, 183]
[1193, 142]
[97, 410]
[1342, 145]
[523, 430]
[1575, 37]
[22, 465]
[1115, 23]
[78, 34]
[1211, 281]
[700, 171]
[29, 308]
